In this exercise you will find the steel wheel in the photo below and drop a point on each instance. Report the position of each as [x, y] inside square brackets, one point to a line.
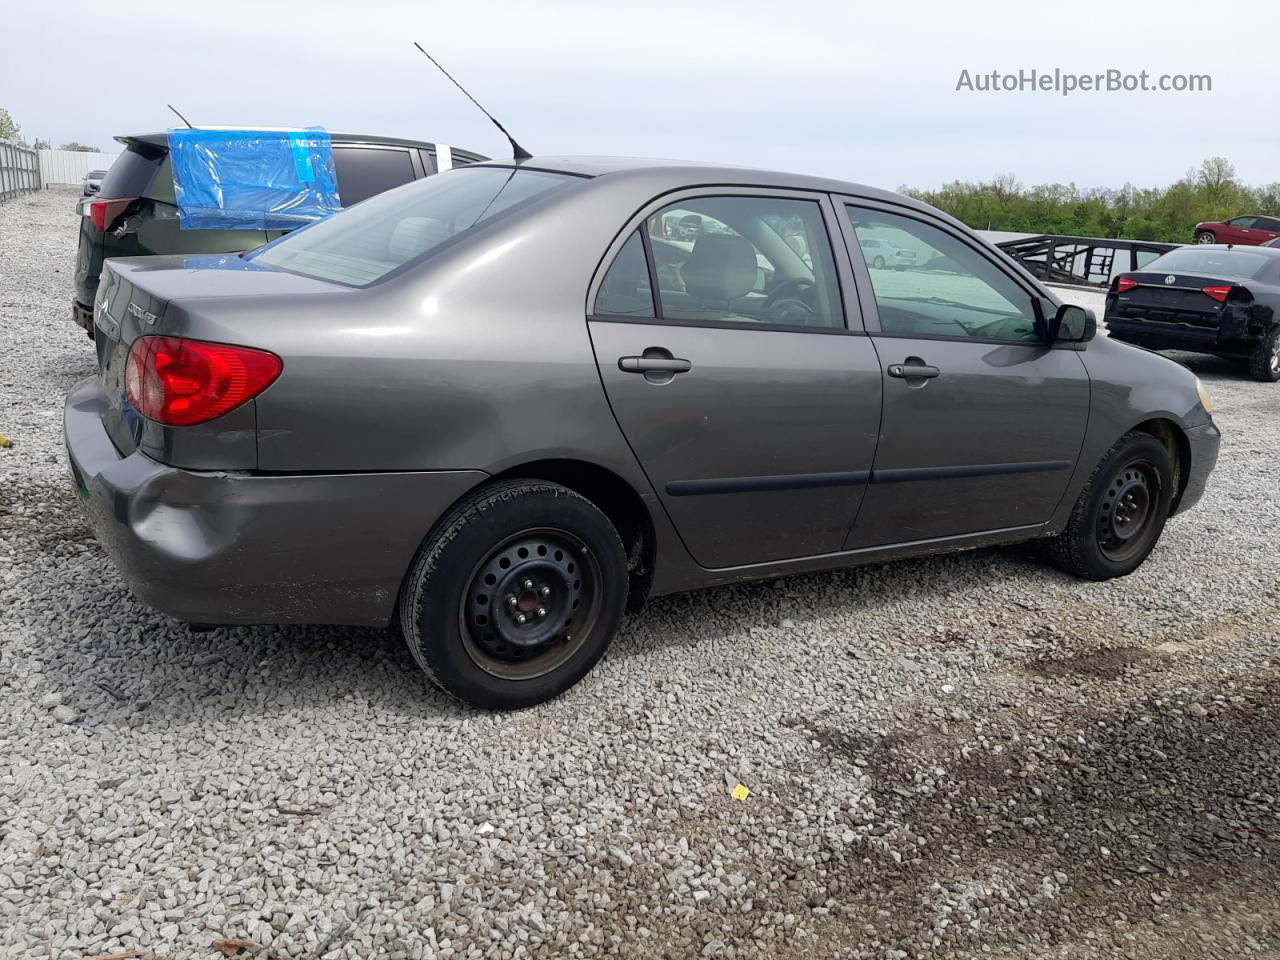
[530, 604]
[1128, 511]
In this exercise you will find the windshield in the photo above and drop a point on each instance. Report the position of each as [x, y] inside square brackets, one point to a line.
[1234, 264]
[364, 243]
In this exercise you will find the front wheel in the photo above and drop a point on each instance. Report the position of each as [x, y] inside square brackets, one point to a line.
[1205, 236]
[878, 263]
[1120, 513]
[515, 595]
[1264, 362]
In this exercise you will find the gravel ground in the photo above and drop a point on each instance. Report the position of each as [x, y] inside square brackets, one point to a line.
[961, 756]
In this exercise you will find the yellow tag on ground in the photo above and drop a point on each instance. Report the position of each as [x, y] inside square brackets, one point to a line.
[739, 792]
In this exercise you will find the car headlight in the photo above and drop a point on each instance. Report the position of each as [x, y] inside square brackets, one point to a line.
[1206, 401]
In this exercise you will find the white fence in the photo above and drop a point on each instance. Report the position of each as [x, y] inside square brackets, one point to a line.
[70, 166]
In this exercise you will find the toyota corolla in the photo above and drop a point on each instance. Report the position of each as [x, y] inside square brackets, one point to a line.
[500, 406]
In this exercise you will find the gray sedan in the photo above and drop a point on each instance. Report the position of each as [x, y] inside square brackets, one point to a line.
[500, 406]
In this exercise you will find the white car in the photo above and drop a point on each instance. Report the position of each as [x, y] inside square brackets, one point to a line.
[885, 253]
[92, 182]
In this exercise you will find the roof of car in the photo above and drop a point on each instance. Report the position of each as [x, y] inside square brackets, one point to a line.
[162, 139]
[674, 174]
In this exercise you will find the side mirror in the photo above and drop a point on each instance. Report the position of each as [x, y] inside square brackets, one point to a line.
[1072, 324]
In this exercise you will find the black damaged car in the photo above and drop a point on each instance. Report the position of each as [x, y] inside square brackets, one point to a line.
[1208, 298]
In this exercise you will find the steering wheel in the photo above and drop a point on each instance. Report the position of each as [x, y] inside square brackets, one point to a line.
[788, 302]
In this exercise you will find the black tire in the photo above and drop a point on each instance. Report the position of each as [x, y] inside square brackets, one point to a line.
[453, 609]
[1134, 482]
[1206, 236]
[1264, 362]
[878, 263]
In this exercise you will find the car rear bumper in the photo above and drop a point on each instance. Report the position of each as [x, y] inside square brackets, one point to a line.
[1204, 441]
[224, 548]
[1155, 335]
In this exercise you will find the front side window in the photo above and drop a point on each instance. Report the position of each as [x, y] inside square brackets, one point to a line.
[745, 260]
[1242, 222]
[363, 244]
[928, 283]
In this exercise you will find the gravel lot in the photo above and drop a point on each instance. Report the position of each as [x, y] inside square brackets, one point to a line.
[962, 756]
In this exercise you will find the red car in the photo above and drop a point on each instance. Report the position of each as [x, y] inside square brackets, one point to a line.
[1246, 231]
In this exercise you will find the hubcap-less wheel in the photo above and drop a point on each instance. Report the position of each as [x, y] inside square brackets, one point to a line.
[1275, 356]
[530, 604]
[1127, 512]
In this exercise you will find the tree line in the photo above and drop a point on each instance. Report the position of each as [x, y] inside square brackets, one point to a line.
[1169, 214]
[9, 130]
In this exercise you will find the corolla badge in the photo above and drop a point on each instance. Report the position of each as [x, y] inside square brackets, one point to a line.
[146, 316]
[1170, 279]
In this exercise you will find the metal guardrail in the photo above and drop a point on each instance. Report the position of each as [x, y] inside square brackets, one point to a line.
[1085, 261]
[19, 170]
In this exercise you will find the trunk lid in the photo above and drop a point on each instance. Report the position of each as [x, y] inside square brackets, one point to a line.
[1173, 298]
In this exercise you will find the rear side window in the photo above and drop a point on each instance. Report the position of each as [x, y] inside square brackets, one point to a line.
[133, 171]
[745, 261]
[626, 291]
[363, 244]
[364, 172]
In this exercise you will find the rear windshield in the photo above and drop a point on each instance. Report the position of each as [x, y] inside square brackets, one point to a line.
[361, 245]
[131, 174]
[1230, 264]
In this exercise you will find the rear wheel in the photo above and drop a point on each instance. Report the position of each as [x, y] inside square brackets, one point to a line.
[878, 263]
[1264, 362]
[1206, 236]
[515, 595]
[1120, 513]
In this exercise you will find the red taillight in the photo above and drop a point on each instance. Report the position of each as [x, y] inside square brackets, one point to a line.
[183, 382]
[1125, 283]
[103, 213]
[1218, 293]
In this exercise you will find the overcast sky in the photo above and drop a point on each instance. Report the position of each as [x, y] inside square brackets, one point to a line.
[863, 91]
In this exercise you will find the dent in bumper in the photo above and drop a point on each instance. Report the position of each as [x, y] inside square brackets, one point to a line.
[242, 548]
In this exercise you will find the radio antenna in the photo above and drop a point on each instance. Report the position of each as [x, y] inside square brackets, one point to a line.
[180, 116]
[517, 151]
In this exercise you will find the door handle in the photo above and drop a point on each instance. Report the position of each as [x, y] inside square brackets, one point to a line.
[913, 371]
[654, 365]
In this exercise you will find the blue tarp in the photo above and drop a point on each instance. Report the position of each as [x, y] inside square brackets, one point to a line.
[252, 179]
